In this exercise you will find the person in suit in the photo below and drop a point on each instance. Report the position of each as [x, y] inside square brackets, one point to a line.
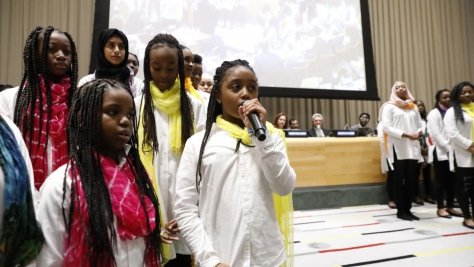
[317, 130]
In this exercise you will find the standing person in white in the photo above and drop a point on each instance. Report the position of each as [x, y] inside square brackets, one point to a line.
[402, 127]
[226, 179]
[168, 116]
[460, 130]
[438, 155]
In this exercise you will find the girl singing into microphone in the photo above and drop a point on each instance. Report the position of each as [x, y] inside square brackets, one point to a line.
[224, 201]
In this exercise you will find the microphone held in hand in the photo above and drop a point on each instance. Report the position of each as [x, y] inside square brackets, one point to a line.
[257, 126]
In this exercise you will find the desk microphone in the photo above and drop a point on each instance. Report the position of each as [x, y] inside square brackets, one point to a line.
[257, 126]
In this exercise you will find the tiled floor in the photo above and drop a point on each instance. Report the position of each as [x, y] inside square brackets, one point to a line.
[373, 236]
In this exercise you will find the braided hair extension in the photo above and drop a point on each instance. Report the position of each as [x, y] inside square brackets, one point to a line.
[215, 108]
[29, 92]
[457, 89]
[84, 126]
[187, 121]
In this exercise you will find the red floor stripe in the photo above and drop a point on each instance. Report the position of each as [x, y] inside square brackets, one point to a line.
[462, 233]
[357, 225]
[349, 248]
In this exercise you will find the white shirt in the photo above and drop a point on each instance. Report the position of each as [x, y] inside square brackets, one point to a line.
[460, 138]
[7, 109]
[397, 121]
[136, 85]
[7, 102]
[129, 253]
[166, 162]
[232, 219]
[439, 138]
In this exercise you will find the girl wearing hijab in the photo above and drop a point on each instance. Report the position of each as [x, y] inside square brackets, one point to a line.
[112, 61]
[401, 123]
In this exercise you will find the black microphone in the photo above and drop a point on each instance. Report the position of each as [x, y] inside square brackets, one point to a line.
[257, 126]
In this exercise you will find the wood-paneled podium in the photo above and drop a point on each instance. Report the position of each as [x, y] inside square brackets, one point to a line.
[335, 161]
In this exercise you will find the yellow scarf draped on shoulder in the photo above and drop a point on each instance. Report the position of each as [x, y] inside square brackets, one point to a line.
[469, 109]
[188, 85]
[283, 204]
[168, 102]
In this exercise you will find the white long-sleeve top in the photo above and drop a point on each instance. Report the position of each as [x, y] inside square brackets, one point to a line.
[397, 121]
[128, 253]
[136, 85]
[24, 153]
[166, 163]
[7, 102]
[7, 109]
[232, 219]
[439, 138]
[460, 138]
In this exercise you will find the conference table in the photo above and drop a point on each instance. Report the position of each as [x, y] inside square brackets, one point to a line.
[335, 161]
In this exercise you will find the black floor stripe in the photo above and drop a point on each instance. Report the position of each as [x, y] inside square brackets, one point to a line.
[389, 231]
[384, 215]
[378, 261]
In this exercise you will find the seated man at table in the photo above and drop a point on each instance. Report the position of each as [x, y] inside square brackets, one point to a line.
[361, 128]
[317, 130]
[294, 124]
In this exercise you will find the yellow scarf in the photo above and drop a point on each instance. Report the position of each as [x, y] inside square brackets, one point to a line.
[169, 103]
[283, 204]
[188, 85]
[469, 109]
[234, 130]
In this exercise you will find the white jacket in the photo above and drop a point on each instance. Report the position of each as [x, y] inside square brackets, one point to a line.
[439, 138]
[460, 138]
[397, 121]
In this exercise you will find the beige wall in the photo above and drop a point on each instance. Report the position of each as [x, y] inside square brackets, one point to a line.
[426, 43]
[19, 17]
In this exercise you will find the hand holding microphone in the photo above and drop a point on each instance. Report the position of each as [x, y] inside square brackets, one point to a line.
[252, 114]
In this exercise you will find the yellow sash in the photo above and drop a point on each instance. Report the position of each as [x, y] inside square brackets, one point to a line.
[168, 102]
[469, 109]
[188, 85]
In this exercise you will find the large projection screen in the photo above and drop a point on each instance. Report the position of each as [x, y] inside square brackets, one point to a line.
[298, 48]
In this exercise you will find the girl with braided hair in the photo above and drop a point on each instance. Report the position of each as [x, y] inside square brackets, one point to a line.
[439, 150]
[459, 124]
[100, 208]
[168, 116]
[227, 180]
[40, 105]
[20, 235]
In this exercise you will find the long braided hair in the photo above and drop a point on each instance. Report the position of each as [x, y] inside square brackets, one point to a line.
[84, 126]
[187, 122]
[457, 89]
[35, 63]
[215, 108]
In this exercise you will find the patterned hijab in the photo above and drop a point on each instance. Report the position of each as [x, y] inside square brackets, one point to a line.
[397, 101]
